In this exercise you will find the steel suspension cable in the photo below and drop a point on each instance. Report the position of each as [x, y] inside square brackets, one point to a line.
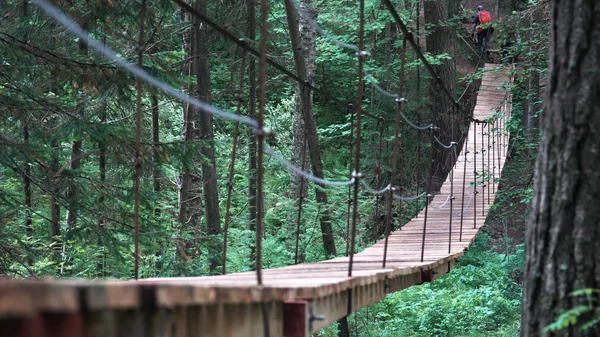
[475, 153]
[401, 174]
[232, 163]
[427, 196]
[494, 155]
[504, 140]
[138, 134]
[378, 175]
[350, 168]
[247, 46]
[452, 160]
[301, 198]
[70, 25]
[395, 153]
[205, 107]
[498, 149]
[137, 71]
[360, 55]
[488, 162]
[418, 171]
[462, 203]
[262, 79]
[482, 172]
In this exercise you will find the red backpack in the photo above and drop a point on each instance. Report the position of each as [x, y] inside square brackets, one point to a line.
[484, 18]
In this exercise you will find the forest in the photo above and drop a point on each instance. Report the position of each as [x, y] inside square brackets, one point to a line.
[240, 143]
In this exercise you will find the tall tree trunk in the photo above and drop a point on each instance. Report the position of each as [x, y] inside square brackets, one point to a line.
[190, 182]
[307, 47]
[440, 41]
[252, 147]
[207, 149]
[562, 251]
[311, 127]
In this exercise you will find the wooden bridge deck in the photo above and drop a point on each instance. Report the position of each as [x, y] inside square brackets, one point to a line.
[300, 299]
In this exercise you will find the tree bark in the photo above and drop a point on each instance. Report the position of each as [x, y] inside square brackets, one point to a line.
[445, 116]
[311, 128]
[562, 251]
[207, 148]
[190, 182]
[308, 48]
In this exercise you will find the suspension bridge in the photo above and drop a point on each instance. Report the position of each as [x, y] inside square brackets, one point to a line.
[296, 300]
[291, 301]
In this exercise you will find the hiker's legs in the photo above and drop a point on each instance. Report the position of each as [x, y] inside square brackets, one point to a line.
[480, 41]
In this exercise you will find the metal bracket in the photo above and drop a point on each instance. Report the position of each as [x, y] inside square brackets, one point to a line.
[312, 317]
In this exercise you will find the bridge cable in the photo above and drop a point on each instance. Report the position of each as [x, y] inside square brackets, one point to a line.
[453, 166]
[417, 171]
[498, 150]
[232, 162]
[427, 198]
[242, 42]
[268, 150]
[350, 168]
[453, 158]
[475, 174]
[356, 49]
[203, 106]
[138, 132]
[60, 17]
[378, 173]
[462, 204]
[395, 153]
[301, 198]
[357, 175]
[482, 172]
[493, 148]
[401, 173]
[488, 161]
[260, 136]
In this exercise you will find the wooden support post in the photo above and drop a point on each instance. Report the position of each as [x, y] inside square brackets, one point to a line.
[295, 318]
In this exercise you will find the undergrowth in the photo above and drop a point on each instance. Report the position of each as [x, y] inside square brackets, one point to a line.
[481, 297]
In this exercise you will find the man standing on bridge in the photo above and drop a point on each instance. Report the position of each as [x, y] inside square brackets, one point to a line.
[482, 22]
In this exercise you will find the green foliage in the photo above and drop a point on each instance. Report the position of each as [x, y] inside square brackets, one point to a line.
[585, 317]
[478, 298]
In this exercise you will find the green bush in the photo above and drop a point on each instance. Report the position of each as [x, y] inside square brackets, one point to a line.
[478, 298]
